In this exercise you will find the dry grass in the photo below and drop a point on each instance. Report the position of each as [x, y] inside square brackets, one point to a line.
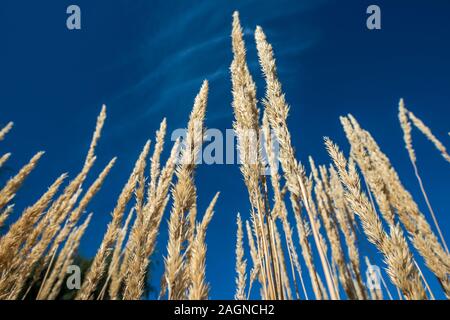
[321, 211]
[241, 263]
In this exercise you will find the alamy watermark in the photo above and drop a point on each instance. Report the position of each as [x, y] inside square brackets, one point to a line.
[216, 147]
[374, 20]
[373, 276]
[73, 21]
[73, 281]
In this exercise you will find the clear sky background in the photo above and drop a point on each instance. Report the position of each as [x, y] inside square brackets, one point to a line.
[146, 60]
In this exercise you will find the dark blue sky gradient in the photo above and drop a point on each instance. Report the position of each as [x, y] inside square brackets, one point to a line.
[146, 60]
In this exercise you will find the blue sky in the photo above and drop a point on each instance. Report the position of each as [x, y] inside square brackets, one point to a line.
[146, 60]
